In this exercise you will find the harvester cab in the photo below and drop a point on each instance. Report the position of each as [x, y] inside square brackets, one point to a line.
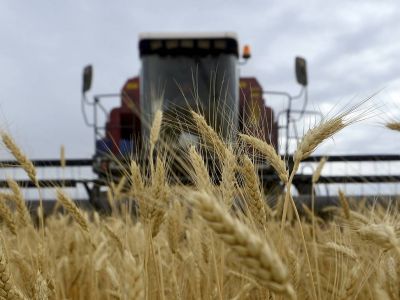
[181, 73]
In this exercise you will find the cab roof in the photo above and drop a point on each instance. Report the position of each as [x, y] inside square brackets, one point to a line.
[188, 43]
[187, 35]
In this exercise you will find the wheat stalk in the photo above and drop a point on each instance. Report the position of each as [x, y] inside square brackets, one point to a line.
[270, 154]
[307, 145]
[255, 254]
[73, 210]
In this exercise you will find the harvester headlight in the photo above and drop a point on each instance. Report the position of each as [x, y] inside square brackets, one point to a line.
[171, 44]
[220, 44]
[154, 45]
[187, 43]
[203, 44]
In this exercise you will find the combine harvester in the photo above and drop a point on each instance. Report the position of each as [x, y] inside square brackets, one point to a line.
[201, 72]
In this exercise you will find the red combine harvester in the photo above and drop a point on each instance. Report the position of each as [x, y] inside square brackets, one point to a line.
[179, 73]
[200, 72]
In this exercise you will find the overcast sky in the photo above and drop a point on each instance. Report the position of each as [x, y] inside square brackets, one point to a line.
[352, 49]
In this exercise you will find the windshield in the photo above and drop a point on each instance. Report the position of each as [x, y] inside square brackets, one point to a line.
[176, 84]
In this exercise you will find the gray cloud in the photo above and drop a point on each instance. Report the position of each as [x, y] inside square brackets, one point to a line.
[351, 47]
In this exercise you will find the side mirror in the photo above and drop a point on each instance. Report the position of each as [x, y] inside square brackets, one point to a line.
[301, 71]
[87, 78]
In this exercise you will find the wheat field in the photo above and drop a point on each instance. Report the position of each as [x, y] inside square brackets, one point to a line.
[194, 241]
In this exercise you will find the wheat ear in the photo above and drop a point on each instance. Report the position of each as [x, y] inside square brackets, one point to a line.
[316, 136]
[28, 167]
[136, 286]
[174, 227]
[23, 160]
[344, 250]
[73, 210]
[154, 134]
[255, 254]
[156, 211]
[114, 237]
[307, 145]
[209, 135]
[254, 198]
[62, 157]
[23, 213]
[201, 176]
[317, 173]
[227, 185]
[270, 154]
[7, 216]
[393, 126]
[41, 290]
[156, 127]
[8, 291]
[345, 204]
[383, 235]
[136, 178]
